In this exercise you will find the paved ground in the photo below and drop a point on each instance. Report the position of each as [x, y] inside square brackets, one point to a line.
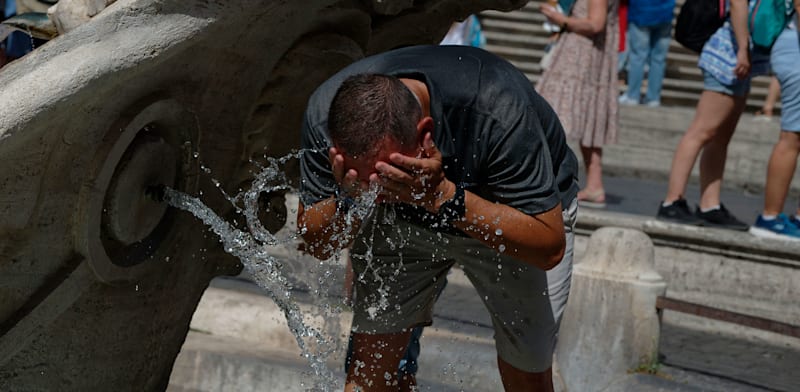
[643, 196]
[748, 364]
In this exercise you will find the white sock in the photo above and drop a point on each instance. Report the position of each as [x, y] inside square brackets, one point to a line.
[768, 217]
[716, 207]
[669, 203]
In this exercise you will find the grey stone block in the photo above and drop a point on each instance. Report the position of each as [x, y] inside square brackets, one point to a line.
[610, 325]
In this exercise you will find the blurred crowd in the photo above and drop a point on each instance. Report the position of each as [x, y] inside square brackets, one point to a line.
[594, 41]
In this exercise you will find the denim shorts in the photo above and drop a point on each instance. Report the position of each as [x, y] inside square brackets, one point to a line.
[785, 59]
[396, 286]
[739, 88]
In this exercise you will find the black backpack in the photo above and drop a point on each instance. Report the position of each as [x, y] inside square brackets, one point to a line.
[697, 21]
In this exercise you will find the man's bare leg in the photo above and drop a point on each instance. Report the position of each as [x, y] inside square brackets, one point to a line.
[515, 380]
[408, 382]
[375, 361]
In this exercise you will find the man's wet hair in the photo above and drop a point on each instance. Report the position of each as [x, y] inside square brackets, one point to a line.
[368, 107]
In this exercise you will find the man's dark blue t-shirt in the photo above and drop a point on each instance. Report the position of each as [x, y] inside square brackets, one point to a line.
[497, 136]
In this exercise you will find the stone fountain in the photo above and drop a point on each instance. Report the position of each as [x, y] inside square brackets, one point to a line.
[98, 282]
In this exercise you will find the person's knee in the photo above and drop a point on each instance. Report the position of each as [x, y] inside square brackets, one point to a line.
[702, 133]
[533, 357]
[715, 130]
[790, 140]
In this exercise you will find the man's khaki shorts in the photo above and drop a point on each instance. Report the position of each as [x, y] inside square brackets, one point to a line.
[398, 277]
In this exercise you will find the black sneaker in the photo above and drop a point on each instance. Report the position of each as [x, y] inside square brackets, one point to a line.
[678, 212]
[721, 218]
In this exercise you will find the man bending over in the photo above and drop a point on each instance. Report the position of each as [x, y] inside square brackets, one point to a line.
[471, 166]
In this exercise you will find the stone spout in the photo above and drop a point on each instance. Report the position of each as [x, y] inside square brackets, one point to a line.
[98, 282]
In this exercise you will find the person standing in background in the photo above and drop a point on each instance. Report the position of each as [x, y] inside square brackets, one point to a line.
[727, 70]
[581, 84]
[649, 28]
[772, 222]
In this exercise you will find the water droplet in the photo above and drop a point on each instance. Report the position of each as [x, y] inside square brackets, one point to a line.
[501, 248]
[498, 232]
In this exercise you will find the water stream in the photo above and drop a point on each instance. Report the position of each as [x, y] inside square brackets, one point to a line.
[251, 244]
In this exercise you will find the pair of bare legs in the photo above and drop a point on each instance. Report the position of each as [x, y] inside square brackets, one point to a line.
[780, 170]
[375, 360]
[710, 132]
[593, 164]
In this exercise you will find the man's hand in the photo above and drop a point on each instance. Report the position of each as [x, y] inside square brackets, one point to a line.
[347, 180]
[415, 180]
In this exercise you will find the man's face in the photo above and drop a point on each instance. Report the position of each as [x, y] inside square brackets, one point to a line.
[366, 166]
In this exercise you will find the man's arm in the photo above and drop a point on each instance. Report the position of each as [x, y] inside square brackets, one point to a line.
[324, 229]
[537, 239]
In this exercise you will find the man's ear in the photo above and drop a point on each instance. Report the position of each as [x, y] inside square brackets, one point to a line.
[424, 126]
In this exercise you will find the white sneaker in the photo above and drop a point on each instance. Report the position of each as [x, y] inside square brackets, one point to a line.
[624, 99]
[653, 104]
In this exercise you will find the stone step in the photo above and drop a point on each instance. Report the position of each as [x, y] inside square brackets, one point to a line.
[750, 129]
[648, 137]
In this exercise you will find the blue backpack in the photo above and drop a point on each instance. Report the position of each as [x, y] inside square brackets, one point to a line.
[767, 20]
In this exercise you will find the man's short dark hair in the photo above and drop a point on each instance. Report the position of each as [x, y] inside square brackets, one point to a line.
[368, 107]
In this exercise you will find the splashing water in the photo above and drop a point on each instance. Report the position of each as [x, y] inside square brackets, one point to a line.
[252, 247]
